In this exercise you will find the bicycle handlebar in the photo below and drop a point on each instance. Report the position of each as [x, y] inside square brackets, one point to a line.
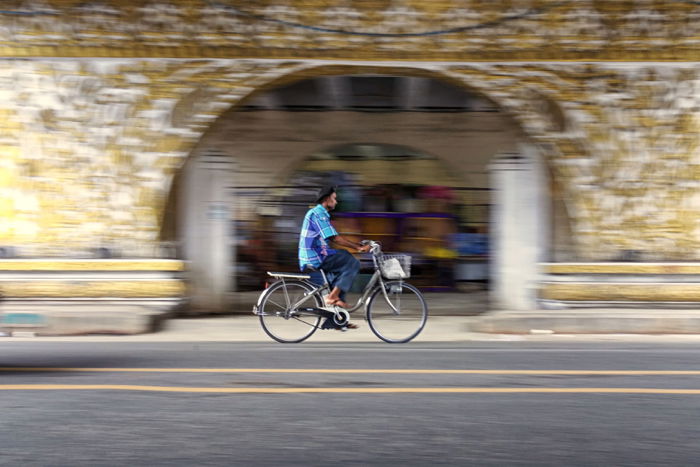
[375, 247]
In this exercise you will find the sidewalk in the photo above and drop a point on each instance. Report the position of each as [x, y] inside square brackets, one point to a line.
[453, 317]
[439, 329]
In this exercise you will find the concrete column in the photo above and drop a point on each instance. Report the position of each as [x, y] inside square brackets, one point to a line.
[519, 228]
[336, 90]
[410, 90]
[208, 237]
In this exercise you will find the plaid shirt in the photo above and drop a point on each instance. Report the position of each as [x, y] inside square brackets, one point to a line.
[316, 228]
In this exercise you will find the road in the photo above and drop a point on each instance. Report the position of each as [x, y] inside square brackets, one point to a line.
[487, 403]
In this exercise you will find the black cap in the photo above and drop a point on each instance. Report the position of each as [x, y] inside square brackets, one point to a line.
[325, 192]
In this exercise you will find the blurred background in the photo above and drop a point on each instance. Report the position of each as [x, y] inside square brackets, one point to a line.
[489, 140]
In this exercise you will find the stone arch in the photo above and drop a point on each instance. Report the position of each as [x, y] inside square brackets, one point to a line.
[228, 85]
[476, 79]
[542, 123]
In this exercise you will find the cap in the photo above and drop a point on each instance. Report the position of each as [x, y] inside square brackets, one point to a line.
[324, 192]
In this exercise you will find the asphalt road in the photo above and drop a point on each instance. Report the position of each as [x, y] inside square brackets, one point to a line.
[519, 403]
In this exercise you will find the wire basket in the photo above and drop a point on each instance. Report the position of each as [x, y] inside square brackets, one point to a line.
[395, 266]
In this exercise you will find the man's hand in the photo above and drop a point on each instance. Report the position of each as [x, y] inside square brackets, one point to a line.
[363, 249]
[348, 243]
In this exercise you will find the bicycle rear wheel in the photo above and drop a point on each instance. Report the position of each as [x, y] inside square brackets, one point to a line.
[403, 324]
[279, 320]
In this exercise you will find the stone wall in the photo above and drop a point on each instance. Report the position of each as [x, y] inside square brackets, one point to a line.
[619, 30]
[89, 146]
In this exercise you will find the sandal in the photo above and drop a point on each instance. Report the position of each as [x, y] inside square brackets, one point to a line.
[337, 302]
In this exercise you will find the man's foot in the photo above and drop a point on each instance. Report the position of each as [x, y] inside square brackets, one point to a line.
[336, 302]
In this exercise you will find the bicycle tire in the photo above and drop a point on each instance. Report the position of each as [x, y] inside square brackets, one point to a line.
[276, 319]
[392, 327]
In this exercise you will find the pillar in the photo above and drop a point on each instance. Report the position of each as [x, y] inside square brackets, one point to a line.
[520, 228]
[208, 236]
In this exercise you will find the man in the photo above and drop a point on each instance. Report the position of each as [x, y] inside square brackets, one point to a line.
[339, 265]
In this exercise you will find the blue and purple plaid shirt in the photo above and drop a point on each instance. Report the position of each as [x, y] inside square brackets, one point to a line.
[315, 229]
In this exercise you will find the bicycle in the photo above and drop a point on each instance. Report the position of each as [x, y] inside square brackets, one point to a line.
[292, 307]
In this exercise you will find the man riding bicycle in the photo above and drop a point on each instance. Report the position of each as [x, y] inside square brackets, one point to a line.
[340, 266]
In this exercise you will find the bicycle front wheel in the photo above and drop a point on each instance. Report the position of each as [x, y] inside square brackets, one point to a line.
[401, 321]
[280, 320]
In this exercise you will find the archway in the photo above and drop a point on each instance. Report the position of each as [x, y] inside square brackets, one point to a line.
[256, 146]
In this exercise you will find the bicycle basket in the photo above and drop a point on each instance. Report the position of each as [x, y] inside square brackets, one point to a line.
[395, 266]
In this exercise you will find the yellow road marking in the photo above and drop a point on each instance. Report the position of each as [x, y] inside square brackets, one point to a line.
[455, 390]
[359, 370]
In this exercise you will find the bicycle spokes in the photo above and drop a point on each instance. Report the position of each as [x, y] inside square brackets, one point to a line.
[397, 312]
[279, 319]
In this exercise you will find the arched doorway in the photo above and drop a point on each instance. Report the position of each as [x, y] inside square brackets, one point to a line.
[410, 201]
[254, 149]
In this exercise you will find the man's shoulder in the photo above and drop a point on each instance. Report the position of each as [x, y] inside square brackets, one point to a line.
[317, 211]
[313, 217]
[309, 213]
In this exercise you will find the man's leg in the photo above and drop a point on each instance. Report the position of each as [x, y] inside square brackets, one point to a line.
[344, 267]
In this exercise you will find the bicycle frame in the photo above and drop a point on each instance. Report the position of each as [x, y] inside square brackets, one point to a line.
[375, 280]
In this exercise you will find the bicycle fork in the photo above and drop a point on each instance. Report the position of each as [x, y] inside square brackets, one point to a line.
[395, 309]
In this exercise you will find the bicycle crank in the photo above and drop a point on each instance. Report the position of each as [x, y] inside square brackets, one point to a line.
[339, 316]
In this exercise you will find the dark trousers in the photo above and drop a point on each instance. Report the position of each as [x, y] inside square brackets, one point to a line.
[341, 269]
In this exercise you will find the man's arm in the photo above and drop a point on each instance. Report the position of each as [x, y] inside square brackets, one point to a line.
[346, 242]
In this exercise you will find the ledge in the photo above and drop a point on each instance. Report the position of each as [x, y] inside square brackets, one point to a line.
[93, 288]
[86, 278]
[81, 296]
[91, 265]
[619, 292]
[620, 284]
[621, 268]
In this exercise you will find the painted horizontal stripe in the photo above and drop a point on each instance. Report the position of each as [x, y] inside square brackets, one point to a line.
[361, 370]
[69, 276]
[90, 265]
[621, 268]
[144, 288]
[342, 390]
